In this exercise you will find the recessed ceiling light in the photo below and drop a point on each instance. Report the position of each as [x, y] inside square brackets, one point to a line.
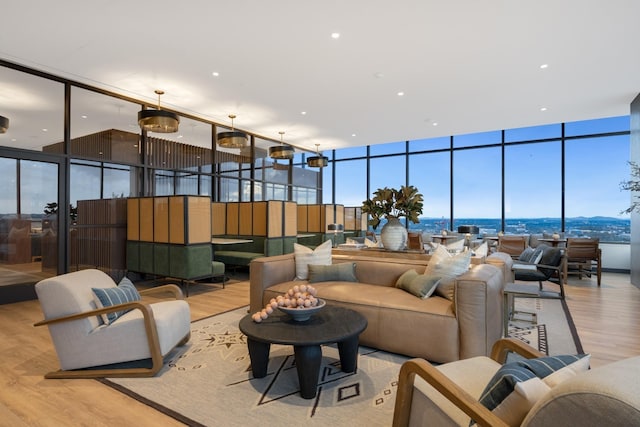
[543, 66]
[303, 112]
[45, 130]
[400, 93]
[543, 109]
[378, 75]
[215, 74]
[435, 123]
[335, 35]
[353, 134]
[179, 136]
[83, 116]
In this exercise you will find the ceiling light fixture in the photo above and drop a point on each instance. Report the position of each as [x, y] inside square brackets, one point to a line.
[4, 124]
[232, 139]
[281, 151]
[318, 161]
[159, 121]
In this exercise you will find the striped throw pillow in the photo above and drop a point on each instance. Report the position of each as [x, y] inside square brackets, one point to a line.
[107, 297]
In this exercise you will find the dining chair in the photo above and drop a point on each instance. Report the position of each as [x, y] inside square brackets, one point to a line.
[513, 245]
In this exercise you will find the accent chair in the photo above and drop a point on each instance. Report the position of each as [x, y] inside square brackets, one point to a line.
[119, 339]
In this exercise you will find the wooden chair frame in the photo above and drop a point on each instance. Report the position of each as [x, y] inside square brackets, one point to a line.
[150, 329]
[450, 390]
[512, 245]
[581, 256]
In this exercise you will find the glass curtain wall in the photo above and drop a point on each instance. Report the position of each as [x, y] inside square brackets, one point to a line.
[543, 179]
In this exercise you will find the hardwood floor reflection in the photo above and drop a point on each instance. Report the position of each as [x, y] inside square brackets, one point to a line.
[605, 318]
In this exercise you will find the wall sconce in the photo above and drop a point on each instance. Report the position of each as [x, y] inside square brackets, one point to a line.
[317, 161]
[232, 139]
[281, 151]
[159, 121]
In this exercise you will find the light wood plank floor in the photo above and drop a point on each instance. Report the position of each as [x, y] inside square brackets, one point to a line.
[605, 317]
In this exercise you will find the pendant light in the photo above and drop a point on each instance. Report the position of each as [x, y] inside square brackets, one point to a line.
[317, 161]
[281, 151]
[159, 121]
[232, 139]
[4, 124]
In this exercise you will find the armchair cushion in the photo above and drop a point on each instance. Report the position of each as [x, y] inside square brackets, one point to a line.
[514, 379]
[107, 297]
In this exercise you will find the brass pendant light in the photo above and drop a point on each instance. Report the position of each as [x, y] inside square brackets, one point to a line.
[318, 161]
[281, 151]
[4, 124]
[159, 121]
[232, 139]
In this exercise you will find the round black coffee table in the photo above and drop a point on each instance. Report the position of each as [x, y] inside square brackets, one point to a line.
[329, 325]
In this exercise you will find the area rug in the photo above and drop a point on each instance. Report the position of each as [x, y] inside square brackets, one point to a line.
[545, 324]
[208, 382]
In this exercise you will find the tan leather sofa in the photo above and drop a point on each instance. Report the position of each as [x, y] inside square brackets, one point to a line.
[436, 328]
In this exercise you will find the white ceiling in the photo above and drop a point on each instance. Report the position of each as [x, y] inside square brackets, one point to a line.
[467, 65]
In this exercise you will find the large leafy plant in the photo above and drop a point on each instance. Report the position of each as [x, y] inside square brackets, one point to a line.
[632, 185]
[389, 202]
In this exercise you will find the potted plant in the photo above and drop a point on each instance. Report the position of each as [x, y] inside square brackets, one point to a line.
[391, 204]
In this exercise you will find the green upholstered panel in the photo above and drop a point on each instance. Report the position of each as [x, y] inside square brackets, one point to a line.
[273, 246]
[133, 255]
[161, 259]
[190, 262]
[146, 257]
[236, 257]
[287, 244]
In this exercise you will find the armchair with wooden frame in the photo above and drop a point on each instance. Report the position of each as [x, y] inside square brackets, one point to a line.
[512, 245]
[415, 242]
[448, 394]
[583, 255]
[551, 267]
[133, 345]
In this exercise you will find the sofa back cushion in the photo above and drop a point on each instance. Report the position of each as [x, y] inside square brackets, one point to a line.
[382, 272]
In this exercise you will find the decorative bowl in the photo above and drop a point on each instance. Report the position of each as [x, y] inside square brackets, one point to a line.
[302, 314]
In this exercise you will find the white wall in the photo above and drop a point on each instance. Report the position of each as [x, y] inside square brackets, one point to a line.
[616, 256]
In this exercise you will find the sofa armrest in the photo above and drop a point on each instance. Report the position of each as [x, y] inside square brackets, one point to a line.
[504, 262]
[478, 308]
[268, 271]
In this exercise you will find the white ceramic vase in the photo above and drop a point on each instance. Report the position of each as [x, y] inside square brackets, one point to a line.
[394, 235]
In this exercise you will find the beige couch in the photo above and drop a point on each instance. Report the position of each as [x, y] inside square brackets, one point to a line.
[436, 328]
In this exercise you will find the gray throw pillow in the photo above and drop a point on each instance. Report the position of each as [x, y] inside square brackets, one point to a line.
[420, 285]
[341, 272]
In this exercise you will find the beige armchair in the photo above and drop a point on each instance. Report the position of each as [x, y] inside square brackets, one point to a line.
[87, 347]
[447, 395]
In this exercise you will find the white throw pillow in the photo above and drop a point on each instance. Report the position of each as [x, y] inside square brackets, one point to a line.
[482, 250]
[458, 245]
[304, 256]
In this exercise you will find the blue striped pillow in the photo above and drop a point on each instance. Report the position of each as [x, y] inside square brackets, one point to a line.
[504, 381]
[107, 297]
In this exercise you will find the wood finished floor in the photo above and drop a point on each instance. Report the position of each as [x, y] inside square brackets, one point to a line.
[605, 318]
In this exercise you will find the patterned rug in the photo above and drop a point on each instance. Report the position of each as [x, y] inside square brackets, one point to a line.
[545, 324]
[208, 382]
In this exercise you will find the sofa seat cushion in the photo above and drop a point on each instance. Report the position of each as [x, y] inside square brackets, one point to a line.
[236, 257]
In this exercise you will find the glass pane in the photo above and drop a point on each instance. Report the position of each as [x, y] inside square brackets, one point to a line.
[477, 189]
[119, 182]
[473, 139]
[327, 179]
[163, 182]
[533, 133]
[430, 144]
[435, 188]
[390, 148]
[186, 183]
[386, 172]
[35, 108]
[594, 169]
[229, 190]
[350, 152]
[104, 127]
[533, 190]
[85, 183]
[590, 127]
[351, 182]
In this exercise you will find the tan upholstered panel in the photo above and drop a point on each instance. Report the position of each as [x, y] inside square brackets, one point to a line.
[177, 220]
[276, 211]
[198, 220]
[350, 219]
[339, 214]
[218, 218]
[245, 219]
[302, 218]
[160, 219]
[146, 219]
[290, 219]
[314, 224]
[232, 218]
[259, 219]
